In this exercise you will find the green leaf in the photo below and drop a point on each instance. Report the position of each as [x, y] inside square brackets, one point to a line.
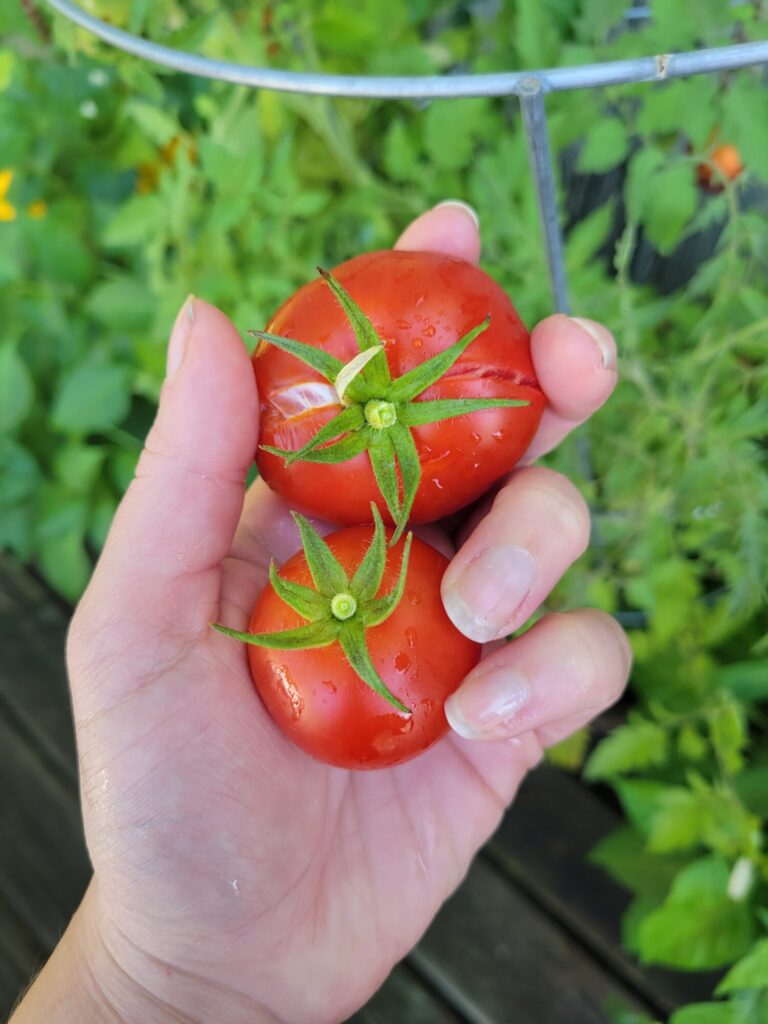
[382, 457]
[669, 206]
[135, 222]
[304, 600]
[749, 972]
[91, 398]
[410, 472]
[376, 373]
[325, 364]
[605, 146]
[314, 634]
[698, 927]
[350, 419]
[708, 1013]
[380, 609]
[78, 465]
[348, 447]
[570, 752]
[16, 388]
[680, 821]
[367, 579]
[352, 640]
[414, 414]
[411, 384]
[747, 680]
[624, 855]
[638, 744]
[157, 124]
[330, 579]
[64, 563]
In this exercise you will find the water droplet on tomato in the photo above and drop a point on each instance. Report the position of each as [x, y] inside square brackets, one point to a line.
[413, 597]
[437, 483]
[427, 704]
[402, 325]
[417, 343]
[430, 331]
[498, 435]
[476, 438]
[410, 636]
[402, 662]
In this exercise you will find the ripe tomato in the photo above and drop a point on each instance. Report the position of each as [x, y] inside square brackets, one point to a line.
[419, 303]
[319, 701]
[727, 159]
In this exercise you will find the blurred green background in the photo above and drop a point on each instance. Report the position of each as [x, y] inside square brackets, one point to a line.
[123, 188]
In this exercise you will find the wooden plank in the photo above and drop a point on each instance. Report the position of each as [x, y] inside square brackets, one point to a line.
[33, 682]
[44, 866]
[406, 999]
[543, 844]
[20, 958]
[497, 958]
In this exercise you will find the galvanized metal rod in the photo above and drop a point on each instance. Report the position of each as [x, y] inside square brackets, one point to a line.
[642, 69]
[537, 137]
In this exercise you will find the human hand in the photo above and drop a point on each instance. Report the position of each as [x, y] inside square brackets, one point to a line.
[235, 878]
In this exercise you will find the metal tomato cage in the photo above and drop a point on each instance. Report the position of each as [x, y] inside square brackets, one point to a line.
[529, 86]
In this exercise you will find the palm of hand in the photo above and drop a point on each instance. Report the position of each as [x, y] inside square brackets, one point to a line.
[220, 834]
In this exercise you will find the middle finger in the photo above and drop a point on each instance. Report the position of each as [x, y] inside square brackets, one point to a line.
[538, 526]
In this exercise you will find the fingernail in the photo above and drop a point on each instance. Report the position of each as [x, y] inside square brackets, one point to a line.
[461, 205]
[601, 337]
[487, 706]
[485, 598]
[182, 329]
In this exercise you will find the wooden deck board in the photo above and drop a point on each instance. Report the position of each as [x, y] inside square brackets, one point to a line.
[498, 959]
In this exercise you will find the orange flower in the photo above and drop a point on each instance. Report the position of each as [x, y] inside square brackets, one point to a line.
[7, 211]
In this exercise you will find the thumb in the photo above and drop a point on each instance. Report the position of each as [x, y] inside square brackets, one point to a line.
[159, 571]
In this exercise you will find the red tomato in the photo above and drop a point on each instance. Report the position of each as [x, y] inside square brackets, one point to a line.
[317, 698]
[727, 159]
[420, 303]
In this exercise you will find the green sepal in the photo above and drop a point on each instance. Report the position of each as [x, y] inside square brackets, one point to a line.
[405, 388]
[382, 456]
[416, 414]
[367, 579]
[307, 602]
[326, 364]
[330, 579]
[350, 419]
[352, 640]
[410, 473]
[381, 608]
[313, 634]
[343, 450]
[376, 373]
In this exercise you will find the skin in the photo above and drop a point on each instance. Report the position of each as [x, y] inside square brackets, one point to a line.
[460, 458]
[225, 861]
[315, 695]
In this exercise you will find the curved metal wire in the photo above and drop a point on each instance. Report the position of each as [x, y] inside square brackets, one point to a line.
[620, 72]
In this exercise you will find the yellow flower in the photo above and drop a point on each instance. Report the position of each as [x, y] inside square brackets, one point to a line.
[7, 211]
[37, 209]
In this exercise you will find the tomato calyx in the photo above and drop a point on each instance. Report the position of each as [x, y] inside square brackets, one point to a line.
[340, 609]
[379, 413]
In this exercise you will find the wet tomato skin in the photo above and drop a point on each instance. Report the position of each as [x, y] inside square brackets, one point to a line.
[317, 699]
[420, 303]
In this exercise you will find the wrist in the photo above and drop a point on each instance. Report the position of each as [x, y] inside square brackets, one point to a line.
[96, 975]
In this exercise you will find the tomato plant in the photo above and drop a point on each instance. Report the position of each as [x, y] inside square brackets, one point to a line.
[351, 650]
[423, 364]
